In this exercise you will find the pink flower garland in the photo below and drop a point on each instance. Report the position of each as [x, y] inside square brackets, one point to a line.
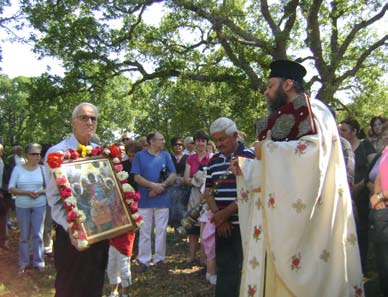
[75, 216]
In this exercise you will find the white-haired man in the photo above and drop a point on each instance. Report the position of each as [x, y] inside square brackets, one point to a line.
[79, 273]
[17, 157]
[221, 197]
[189, 145]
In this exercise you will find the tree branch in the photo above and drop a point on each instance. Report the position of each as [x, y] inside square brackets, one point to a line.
[175, 73]
[334, 15]
[290, 13]
[238, 61]
[249, 39]
[359, 27]
[314, 37]
[361, 59]
[267, 16]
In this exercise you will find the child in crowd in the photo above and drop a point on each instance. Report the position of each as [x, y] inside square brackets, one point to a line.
[119, 264]
[119, 261]
[208, 241]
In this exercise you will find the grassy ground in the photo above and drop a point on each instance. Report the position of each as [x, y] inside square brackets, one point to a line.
[176, 279]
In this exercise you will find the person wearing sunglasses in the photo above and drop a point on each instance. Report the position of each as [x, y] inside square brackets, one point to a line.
[179, 192]
[80, 271]
[189, 145]
[27, 184]
[126, 139]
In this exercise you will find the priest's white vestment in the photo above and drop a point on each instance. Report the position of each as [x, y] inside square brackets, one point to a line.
[297, 227]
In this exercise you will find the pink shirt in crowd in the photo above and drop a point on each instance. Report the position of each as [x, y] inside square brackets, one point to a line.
[383, 169]
[194, 162]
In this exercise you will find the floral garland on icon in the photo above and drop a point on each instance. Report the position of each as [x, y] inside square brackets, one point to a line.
[75, 216]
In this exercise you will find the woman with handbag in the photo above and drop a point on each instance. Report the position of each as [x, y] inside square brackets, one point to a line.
[179, 192]
[27, 183]
[195, 179]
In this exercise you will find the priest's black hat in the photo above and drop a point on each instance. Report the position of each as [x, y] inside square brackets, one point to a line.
[287, 69]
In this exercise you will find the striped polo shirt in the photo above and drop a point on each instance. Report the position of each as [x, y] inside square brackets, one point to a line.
[222, 181]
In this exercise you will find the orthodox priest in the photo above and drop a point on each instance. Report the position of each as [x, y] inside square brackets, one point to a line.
[296, 221]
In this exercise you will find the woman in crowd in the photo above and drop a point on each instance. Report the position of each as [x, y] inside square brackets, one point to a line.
[379, 216]
[376, 124]
[364, 153]
[28, 185]
[376, 161]
[131, 149]
[211, 147]
[179, 192]
[142, 140]
[193, 164]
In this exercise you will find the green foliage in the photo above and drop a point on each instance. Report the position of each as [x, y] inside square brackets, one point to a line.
[15, 113]
[34, 110]
[39, 109]
[371, 102]
[209, 40]
[116, 112]
[180, 107]
[203, 59]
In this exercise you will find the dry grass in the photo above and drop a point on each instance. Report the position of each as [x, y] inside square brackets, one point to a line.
[176, 278]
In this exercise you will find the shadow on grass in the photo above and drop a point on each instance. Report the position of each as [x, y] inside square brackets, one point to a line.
[174, 279]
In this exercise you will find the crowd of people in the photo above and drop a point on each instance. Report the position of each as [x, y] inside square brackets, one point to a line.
[261, 207]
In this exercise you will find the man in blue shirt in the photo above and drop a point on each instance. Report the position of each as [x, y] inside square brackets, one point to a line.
[154, 172]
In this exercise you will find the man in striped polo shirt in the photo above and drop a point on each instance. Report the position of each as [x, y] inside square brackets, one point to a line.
[221, 197]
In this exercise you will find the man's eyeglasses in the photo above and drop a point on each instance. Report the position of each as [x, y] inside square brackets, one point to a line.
[85, 118]
[34, 154]
[178, 144]
[160, 139]
[125, 139]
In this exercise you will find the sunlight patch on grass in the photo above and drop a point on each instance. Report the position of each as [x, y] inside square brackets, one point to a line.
[184, 271]
[3, 288]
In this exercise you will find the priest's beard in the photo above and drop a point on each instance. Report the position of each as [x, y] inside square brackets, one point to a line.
[277, 101]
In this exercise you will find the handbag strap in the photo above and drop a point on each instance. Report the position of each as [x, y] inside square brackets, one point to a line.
[44, 182]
